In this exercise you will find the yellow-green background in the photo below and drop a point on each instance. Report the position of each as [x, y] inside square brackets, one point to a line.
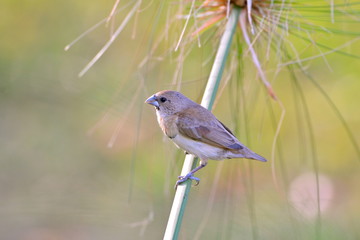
[57, 182]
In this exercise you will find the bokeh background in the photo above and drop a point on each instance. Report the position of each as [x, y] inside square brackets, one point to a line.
[59, 179]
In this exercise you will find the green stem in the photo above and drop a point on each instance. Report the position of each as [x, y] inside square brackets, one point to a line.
[182, 192]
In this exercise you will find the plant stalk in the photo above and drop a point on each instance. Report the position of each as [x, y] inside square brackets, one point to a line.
[183, 190]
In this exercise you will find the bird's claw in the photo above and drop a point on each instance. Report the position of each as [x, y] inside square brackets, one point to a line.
[185, 178]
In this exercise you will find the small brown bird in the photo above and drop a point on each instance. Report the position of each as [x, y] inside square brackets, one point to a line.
[196, 130]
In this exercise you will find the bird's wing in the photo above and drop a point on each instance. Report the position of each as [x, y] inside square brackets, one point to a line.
[203, 126]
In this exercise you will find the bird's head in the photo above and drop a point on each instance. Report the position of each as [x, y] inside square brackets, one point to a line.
[169, 102]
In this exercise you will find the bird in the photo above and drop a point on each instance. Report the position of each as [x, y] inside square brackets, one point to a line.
[197, 131]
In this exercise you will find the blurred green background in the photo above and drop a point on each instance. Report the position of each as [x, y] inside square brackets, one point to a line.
[57, 181]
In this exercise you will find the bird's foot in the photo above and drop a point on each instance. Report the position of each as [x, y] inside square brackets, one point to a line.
[185, 178]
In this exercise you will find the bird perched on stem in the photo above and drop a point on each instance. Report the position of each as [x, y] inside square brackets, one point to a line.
[196, 130]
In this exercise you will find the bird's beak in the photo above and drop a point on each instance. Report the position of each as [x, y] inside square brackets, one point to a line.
[152, 101]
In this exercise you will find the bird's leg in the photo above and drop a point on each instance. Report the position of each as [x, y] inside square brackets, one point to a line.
[190, 175]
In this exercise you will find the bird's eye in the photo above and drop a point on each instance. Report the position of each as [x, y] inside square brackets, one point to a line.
[163, 99]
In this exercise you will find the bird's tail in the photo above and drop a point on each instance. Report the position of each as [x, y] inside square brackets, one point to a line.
[256, 157]
[247, 153]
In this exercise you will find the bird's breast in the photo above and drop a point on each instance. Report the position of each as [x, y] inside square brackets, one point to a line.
[168, 124]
